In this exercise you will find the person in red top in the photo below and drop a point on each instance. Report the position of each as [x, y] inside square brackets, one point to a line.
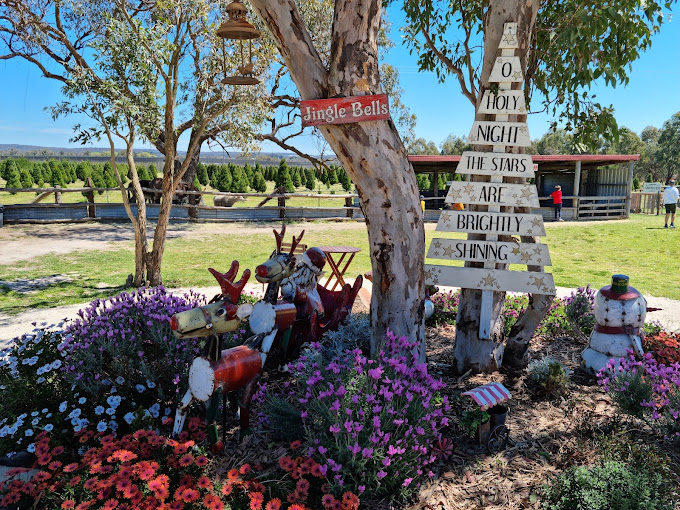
[557, 202]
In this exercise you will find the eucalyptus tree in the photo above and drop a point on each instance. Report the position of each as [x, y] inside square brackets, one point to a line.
[564, 47]
[668, 151]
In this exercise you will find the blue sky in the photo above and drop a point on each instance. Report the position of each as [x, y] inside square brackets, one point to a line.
[651, 97]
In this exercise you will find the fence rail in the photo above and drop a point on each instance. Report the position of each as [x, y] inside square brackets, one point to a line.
[646, 203]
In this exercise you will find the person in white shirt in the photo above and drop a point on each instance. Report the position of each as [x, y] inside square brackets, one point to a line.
[670, 200]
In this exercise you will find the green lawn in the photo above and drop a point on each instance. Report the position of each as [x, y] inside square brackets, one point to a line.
[581, 253]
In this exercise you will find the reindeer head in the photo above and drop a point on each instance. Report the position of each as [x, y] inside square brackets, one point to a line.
[280, 264]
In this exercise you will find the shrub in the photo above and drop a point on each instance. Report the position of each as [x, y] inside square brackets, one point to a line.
[471, 419]
[115, 367]
[611, 486]
[554, 322]
[512, 308]
[578, 308]
[445, 308]
[550, 375]
[373, 424]
[645, 389]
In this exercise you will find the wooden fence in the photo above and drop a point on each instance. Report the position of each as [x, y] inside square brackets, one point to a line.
[647, 203]
[59, 211]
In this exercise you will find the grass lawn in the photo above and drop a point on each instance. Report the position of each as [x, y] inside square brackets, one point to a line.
[582, 253]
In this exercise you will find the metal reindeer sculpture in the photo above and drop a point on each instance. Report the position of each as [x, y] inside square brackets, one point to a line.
[303, 312]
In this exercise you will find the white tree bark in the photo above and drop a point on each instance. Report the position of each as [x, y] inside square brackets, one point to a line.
[371, 152]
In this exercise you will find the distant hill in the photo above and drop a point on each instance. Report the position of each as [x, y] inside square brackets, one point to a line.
[101, 154]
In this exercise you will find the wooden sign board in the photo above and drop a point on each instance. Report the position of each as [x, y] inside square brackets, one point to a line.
[344, 110]
[493, 193]
[651, 187]
[504, 102]
[515, 134]
[496, 163]
[476, 222]
[490, 251]
[509, 39]
[507, 70]
[490, 279]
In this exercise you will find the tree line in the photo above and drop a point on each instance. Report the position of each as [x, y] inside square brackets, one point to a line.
[23, 173]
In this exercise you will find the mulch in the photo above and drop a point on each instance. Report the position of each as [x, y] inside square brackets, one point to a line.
[547, 434]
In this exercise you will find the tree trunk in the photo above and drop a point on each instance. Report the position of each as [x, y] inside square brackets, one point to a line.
[371, 152]
[471, 352]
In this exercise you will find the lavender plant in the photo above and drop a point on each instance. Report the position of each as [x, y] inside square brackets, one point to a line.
[578, 308]
[375, 425]
[116, 363]
[445, 308]
[645, 389]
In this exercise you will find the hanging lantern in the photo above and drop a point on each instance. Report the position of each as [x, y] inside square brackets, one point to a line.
[237, 28]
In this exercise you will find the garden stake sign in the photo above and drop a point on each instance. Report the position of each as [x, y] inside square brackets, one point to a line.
[495, 226]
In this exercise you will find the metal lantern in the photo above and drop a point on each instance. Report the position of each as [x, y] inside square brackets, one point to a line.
[239, 29]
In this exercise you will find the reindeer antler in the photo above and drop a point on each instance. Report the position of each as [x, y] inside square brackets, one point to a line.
[279, 237]
[295, 242]
[225, 280]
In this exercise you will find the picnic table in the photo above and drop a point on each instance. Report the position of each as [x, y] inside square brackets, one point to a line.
[337, 269]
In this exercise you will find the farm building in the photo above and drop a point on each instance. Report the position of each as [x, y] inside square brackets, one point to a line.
[594, 186]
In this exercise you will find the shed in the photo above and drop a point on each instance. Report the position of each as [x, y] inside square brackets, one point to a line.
[594, 186]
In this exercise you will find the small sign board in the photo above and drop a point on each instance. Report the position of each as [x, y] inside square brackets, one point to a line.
[513, 134]
[505, 252]
[493, 193]
[503, 102]
[507, 69]
[344, 110]
[489, 279]
[496, 163]
[651, 187]
[475, 222]
[509, 39]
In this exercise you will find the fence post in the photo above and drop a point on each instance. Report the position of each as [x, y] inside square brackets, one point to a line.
[348, 203]
[90, 198]
[658, 202]
[282, 207]
[57, 194]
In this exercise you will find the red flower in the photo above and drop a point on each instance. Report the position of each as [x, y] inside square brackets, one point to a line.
[69, 503]
[58, 450]
[244, 469]
[350, 501]
[327, 500]
[204, 483]
[201, 461]
[186, 460]
[256, 500]
[74, 481]
[274, 504]
[123, 484]
[44, 459]
[297, 507]
[189, 495]
[68, 468]
[122, 456]
[227, 488]
[41, 476]
[295, 445]
[212, 502]
[110, 504]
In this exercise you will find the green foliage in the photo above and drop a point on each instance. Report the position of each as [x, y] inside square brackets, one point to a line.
[142, 173]
[669, 146]
[550, 375]
[310, 179]
[12, 175]
[202, 174]
[344, 180]
[259, 184]
[636, 183]
[613, 485]
[628, 390]
[471, 419]
[283, 177]
[297, 181]
[26, 179]
[445, 308]
[239, 180]
[423, 181]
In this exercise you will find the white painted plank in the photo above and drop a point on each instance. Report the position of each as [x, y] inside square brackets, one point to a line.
[507, 69]
[513, 134]
[504, 252]
[478, 222]
[509, 39]
[493, 163]
[490, 279]
[506, 102]
[501, 194]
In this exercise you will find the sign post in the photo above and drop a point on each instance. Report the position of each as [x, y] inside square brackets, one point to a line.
[494, 194]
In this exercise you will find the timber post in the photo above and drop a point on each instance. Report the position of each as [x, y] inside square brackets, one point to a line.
[91, 213]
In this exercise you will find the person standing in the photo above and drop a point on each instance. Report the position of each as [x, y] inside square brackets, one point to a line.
[557, 202]
[670, 201]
